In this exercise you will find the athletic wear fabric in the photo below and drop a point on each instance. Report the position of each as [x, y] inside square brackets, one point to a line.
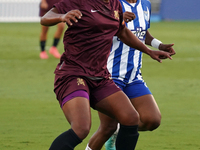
[87, 43]
[66, 141]
[78, 93]
[127, 135]
[124, 63]
[96, 89]
[134, 89]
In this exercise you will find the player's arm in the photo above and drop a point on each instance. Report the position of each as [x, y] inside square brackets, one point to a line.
[127, 37]
[150, 40]
[52, 17]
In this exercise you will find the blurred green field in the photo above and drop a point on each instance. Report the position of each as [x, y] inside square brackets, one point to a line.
[30, 117]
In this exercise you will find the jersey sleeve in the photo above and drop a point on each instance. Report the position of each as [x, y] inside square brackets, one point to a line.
[121, 21]
[148, 5]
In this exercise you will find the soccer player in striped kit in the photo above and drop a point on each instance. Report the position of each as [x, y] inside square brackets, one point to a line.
[124, 64]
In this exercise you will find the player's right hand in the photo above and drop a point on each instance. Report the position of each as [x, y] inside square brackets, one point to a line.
[158, 55]
[71, 16]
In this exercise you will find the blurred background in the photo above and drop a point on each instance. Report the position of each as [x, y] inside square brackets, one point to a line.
[27, 10]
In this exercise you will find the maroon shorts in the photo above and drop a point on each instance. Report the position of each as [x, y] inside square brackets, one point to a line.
[96, 89]
[50, 5]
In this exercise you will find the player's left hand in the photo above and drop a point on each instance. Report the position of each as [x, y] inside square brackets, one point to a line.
[128, 16]
[167, 48]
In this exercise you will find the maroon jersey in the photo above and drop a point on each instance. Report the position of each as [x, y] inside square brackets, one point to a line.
[50, 5]
[87, 43]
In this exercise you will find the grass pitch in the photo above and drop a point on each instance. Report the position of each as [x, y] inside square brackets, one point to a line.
[30, 117]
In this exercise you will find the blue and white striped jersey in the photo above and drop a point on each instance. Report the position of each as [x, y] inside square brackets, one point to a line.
[124, 63]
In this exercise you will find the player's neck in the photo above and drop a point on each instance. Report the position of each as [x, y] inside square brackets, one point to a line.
[131, 1]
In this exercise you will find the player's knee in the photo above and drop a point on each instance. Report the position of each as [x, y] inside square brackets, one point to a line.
[130, 119]
[153, 124]
[82, 131]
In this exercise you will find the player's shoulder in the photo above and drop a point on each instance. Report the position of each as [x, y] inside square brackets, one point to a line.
[146, 2]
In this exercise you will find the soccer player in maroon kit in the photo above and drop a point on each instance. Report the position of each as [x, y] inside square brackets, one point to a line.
[82, 79]
[45, 6]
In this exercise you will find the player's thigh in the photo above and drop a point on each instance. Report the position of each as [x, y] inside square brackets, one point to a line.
[119, 107]
[147, 107]
[77, 112]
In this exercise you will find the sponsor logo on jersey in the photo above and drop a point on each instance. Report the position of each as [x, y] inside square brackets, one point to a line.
[92, 10]
[139, 33]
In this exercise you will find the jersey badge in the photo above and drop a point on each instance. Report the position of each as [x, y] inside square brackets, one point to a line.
[147, 14]
[116, 14]
[80, 81]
